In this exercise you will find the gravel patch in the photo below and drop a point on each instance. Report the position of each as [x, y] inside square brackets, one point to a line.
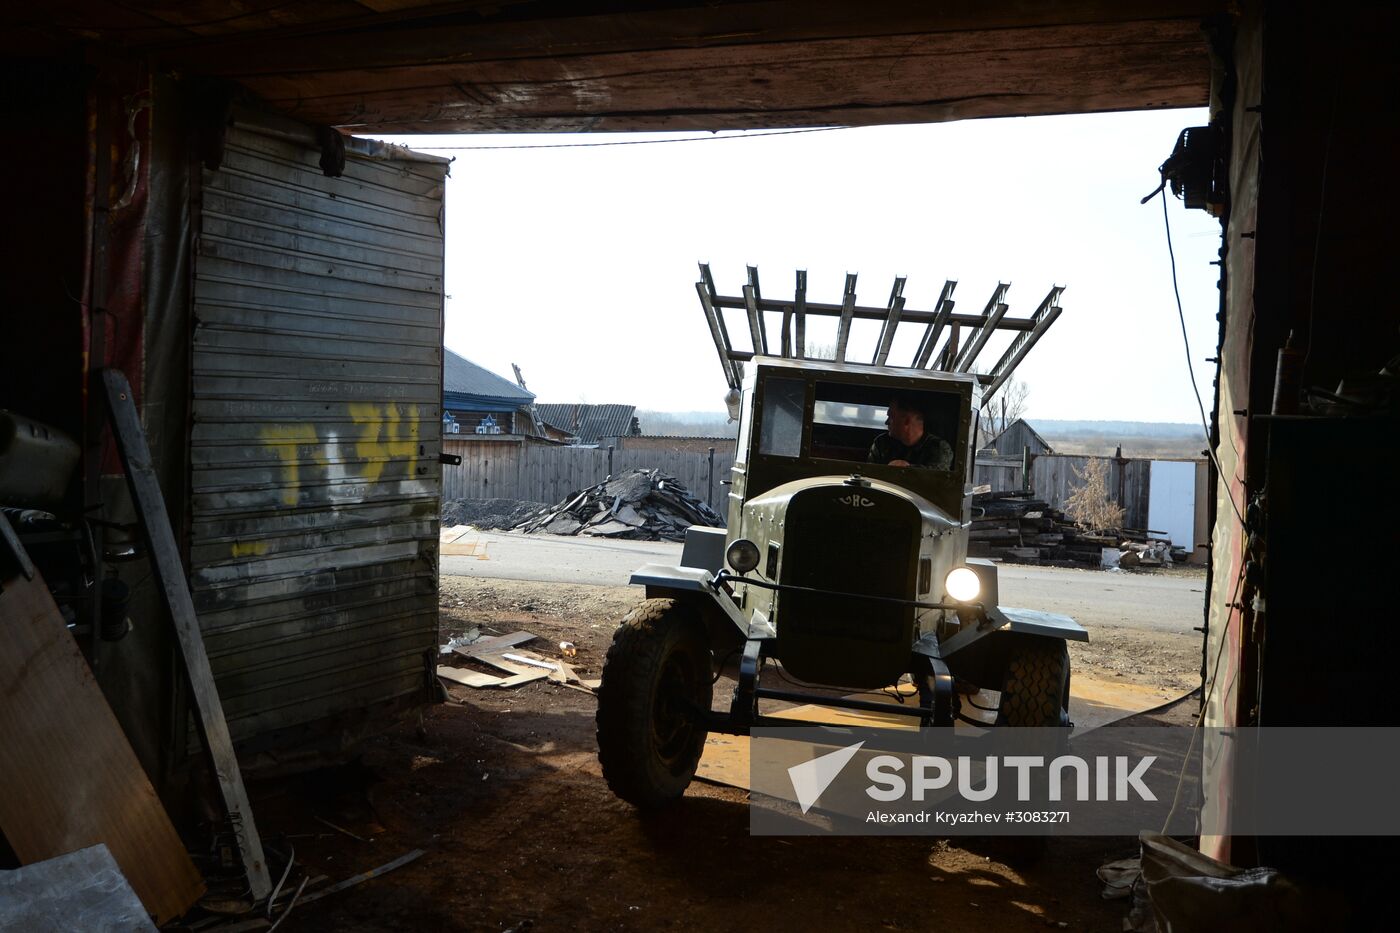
[488, 514]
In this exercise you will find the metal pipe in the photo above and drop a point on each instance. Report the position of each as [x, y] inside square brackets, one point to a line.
[799, 310]
[868, 313]
[887, 329]
[758, 297]
[756, 334]
[996, 309]
[847, 309]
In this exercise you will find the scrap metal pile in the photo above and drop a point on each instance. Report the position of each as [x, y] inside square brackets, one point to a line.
[642, 505]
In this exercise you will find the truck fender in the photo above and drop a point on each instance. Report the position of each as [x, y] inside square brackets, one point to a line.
[998, 618]
[724, 620]
[981, 652]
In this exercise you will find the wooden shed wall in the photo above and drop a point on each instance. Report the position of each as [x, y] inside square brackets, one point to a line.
[1016, 438]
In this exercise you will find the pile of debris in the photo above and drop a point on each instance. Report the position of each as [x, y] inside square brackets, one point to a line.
[511, 666]
[642, 505]
[1015, 526]
[1018, 527]
[1150, 553]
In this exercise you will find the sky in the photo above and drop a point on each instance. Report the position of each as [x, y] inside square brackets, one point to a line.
[579, 263]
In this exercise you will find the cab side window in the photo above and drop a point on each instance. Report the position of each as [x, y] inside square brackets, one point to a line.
[780, 427]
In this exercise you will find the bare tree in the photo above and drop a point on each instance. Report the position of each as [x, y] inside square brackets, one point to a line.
[1012, 401]
[1089, 504]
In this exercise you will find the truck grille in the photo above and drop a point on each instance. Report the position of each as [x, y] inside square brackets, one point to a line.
[866, 551]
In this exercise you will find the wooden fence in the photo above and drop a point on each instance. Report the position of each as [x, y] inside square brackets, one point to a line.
[509, 469]
[1054, 479]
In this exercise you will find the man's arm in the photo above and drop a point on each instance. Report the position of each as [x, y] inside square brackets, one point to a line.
[937, 455]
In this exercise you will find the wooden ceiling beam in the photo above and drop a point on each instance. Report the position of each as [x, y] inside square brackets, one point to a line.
[446, 33]
[520, 65]
[942, 76]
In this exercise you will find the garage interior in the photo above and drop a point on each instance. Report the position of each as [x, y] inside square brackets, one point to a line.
[141, 129]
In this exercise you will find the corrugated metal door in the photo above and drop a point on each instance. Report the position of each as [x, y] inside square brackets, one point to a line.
[317, 375]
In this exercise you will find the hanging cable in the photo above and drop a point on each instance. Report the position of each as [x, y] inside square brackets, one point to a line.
[638, 142]
[1190, 369]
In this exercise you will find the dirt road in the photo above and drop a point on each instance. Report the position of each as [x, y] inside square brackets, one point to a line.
[1141, 624]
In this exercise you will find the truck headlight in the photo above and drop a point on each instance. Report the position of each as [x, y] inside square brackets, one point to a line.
[742, 555]
[962, 584]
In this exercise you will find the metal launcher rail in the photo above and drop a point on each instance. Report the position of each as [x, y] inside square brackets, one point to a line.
[957, 353]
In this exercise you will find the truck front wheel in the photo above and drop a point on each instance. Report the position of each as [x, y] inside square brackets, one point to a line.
[1036, 689]
[656, 688]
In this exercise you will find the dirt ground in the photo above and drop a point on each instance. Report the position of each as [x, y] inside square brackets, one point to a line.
[587, 615]
[502, 791]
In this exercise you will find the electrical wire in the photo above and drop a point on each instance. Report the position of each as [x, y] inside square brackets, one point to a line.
[295, 897]
[719, 668]
[1186, 342]
[638, 142]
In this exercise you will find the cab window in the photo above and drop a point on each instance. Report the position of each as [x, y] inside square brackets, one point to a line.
[848, 417]
[780, 428]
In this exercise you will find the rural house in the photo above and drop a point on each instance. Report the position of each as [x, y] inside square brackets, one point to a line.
[476, 401]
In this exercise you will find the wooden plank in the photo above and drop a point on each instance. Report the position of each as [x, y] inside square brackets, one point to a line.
[525, 677]
[165, 566]
[479, 680]
[474, 35]
[468, 678]
[842, 78]
[70, 777]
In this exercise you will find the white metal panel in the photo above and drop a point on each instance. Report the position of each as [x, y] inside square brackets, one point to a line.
[1171, 504]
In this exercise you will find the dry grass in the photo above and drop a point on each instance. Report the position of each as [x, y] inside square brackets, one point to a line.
[1089, 504]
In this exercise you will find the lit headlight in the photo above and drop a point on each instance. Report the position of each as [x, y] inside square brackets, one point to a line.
[962, 584]
[742, 555]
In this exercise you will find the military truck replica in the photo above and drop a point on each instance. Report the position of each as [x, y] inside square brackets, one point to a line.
[834, 571]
